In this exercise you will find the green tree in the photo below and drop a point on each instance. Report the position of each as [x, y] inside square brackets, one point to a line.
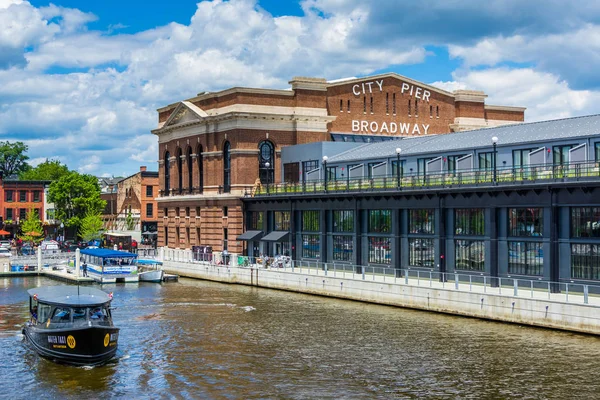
[129, 222]
[74, 196]
[12, 158]
[49, 170]
[91, 227]
[32, 228]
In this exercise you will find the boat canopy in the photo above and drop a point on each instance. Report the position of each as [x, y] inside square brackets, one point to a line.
[108, 253]
[70, 295]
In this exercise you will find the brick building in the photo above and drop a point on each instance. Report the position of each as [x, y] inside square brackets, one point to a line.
[216, 147]
[17, 198]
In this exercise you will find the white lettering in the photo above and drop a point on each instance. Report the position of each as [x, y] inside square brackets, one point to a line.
[369, 84]
[404, 127]
[416, 129]
[384, 128]
[411, 89]
[355, 125]
[380, 84]
[426, 128]
[363, 85]
[393, 127]
[426, 94]
[364, 126]
[374, 126]
[418, 93]
[355, 90]
[405, 87]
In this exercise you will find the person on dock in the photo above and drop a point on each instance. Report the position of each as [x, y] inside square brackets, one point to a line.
[84, 269]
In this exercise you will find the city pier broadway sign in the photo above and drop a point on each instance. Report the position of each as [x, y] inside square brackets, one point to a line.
[390, 128]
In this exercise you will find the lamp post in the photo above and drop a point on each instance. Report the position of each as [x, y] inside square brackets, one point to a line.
[62, 227]
[398, 151]
[267, 165]
[325, 170]
[494, 144]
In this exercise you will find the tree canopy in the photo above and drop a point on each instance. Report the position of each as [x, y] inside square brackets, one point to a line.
[49, 170]
[74, 196]
[13, 159]
[91, 227]
[32, 228]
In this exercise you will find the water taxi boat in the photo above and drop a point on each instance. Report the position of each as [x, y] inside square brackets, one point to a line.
[71, 324]
[150, 271]
[110, 266]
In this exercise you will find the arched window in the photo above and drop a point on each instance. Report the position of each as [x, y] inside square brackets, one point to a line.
[167, 173]
[266, 162]
[188, 160]
[180, 170]
[226, 167]
[200, 170]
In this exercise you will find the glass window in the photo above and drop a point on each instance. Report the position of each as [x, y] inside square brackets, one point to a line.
[266, 162]
[469, 221]
[469, 255]
[421, 163]
[380, 250]
[380, 221]
[149, 209]
[167, 172]
[9, 195]
[291, 172]
[310, 221]
[311, 246]
[421, 252]
[149, 191]
[525, 258]
[308, 166]
[282, 220]
[486, 161]
[343, 221]
[22, 196]
[226, 167]
[452, 162]
[9, 213]
[179, 169]
[560, 154]
[331, 173]
[521, 158]
[36, 196]
[343, 247]
[255, 222]
[585, 261]
[422, 221]
[585, 222]
[22, 213]
[190, 170]
[526, 221]
[200, 169]
[395, 168]
[61, 315]
[597, 151]
[79, 315]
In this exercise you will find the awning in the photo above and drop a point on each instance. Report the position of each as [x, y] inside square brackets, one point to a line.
[250, 235]
[277, 236]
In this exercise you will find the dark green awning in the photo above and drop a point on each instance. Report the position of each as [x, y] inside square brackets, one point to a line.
[250, 236]
[277, 236]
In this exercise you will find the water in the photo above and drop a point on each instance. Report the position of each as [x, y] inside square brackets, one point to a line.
[195, 339]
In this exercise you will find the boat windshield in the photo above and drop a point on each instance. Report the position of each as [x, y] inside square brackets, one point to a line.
[97, 315]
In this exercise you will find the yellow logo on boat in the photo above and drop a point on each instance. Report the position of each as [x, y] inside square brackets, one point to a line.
[71, 341]
[106, 339]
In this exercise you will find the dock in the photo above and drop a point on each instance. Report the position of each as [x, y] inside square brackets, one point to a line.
[170, 277]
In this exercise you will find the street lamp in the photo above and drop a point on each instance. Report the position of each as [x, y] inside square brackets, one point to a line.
[495, 143]
[325, 170]
[62, 227]
[267, 165]
[398, 151]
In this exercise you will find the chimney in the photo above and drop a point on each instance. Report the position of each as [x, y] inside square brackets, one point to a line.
[143, 168]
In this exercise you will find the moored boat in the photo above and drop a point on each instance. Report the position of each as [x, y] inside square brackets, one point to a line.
[71, 324]
[110, 266]
[150, 271]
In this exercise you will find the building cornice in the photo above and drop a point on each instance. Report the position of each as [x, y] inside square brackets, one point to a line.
[505, 108]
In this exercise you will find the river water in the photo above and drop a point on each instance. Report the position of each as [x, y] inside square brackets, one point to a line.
[196, 339]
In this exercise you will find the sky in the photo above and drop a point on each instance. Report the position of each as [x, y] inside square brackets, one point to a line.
[80, 81]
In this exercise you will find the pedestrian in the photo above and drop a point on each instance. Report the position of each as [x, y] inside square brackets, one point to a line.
[84, 269]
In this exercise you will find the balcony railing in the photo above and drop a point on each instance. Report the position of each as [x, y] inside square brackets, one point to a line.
[505, 176]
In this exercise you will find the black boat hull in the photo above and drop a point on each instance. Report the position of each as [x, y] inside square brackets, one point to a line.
[87, 345]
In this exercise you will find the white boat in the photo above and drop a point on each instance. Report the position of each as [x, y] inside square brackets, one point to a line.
[150, 271]
[110, 266]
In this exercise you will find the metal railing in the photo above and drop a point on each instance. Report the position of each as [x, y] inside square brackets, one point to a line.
[458, 178]
[566, 292]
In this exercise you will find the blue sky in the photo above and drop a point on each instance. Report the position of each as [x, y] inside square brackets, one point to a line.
[80, 81]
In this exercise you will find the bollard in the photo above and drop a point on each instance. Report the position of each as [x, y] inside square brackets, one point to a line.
[585, 294]
[516, 285]
[456, 281]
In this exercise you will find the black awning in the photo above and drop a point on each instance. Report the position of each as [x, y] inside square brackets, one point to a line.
[250, 235]
[277, 236]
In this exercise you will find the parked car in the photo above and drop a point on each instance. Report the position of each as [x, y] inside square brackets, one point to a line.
[27, 250]
[4, 252]
[5, 243]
